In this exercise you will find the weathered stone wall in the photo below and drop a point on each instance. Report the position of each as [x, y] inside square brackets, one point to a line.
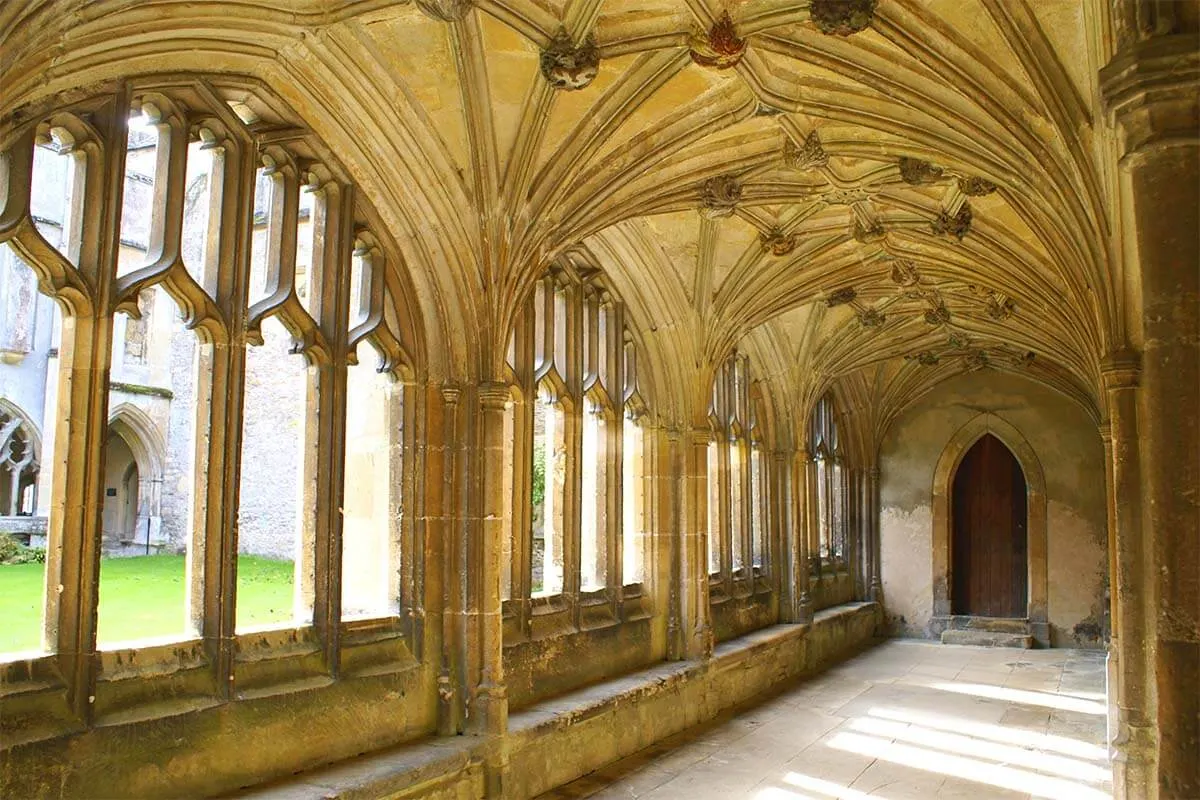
[1068, 446]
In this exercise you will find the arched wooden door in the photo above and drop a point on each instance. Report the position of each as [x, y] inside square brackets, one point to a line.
[989, 546]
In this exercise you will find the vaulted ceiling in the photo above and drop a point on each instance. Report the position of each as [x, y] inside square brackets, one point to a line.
[887, 205]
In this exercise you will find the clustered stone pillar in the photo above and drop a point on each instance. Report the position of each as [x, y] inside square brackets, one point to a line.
[875, 594]
[1152, 86]
[1133, 763]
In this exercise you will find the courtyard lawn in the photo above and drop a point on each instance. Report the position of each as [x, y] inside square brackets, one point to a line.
[140, 597]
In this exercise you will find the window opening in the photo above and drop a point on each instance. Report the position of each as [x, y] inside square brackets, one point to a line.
[371, 503]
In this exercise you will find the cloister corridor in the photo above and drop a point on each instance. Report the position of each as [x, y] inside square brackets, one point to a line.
[903, 720]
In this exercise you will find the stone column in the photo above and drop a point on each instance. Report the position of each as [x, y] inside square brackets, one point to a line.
[1133, 763]
[875, 593]
[1152, 87]
[801, 513]
[488, 705]
[1112, 660]
[443, 527]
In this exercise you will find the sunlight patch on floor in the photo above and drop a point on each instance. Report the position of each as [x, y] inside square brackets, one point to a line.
[1061, 702]
[973, 769]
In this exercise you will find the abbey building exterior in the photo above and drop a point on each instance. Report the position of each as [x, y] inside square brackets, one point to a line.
[450, 398]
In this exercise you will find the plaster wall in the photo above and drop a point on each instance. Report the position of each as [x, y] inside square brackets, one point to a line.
[1067, 444]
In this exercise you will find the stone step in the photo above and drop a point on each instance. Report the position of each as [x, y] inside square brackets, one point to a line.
[993, 624]
[982, 638]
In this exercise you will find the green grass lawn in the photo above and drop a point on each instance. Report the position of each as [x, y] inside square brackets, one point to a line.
[140, 597]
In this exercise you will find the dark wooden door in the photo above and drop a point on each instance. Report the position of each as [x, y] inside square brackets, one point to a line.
[989, 545]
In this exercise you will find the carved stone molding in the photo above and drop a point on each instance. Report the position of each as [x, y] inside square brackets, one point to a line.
[1152, 88]
[914, 171]
[845, 197]
[999, 307]
[810, 154]
[871, 235]
[778, 243]
[719, 47]
[976, 186]
[840, 297]
[926, 358]
[957, 225]
[904, 273]
[870, 317]
[445, 10]
[720, 196]
[568, 66]
[976, 360]
[938, 315]
[842, 17]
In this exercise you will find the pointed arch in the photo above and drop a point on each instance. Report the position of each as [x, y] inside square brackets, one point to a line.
[141, 435]
[1035, 481]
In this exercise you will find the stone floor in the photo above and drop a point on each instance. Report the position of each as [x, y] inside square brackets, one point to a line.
[903, 720]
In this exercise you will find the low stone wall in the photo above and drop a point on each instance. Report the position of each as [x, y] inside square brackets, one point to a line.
[29, 531]
[557, 741]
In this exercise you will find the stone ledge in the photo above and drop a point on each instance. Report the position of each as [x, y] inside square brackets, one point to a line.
[614, 718]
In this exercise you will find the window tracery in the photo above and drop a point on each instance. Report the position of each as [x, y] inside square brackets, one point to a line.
[831, 491]
[185, 202]
[583, 429]
[738, 513]
[19, 464]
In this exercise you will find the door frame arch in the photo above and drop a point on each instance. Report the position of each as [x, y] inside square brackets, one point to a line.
[1035, 482]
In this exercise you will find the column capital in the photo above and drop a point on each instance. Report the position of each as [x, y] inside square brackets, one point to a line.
[494, 395]
[1152, 89]
[1120, 369]
[450, 394]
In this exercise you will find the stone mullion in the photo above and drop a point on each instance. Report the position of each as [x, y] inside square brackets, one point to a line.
[74, 534]
[725, 515]
[572, 419]
[220, 397]
[524, 365]
[693, 580]
[324, 470]
[615, 452]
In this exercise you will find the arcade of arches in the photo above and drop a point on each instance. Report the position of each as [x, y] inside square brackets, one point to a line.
[583, 368]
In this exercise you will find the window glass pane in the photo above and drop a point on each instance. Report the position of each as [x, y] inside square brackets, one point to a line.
[149, 476]
[758, 501]
[29, 378]
[506, 553]
[714, 507]
[138, 201]
[737, 503]
[594, 522]
[270, 513]
[633, 506]
[371, 502]
[547, 495]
